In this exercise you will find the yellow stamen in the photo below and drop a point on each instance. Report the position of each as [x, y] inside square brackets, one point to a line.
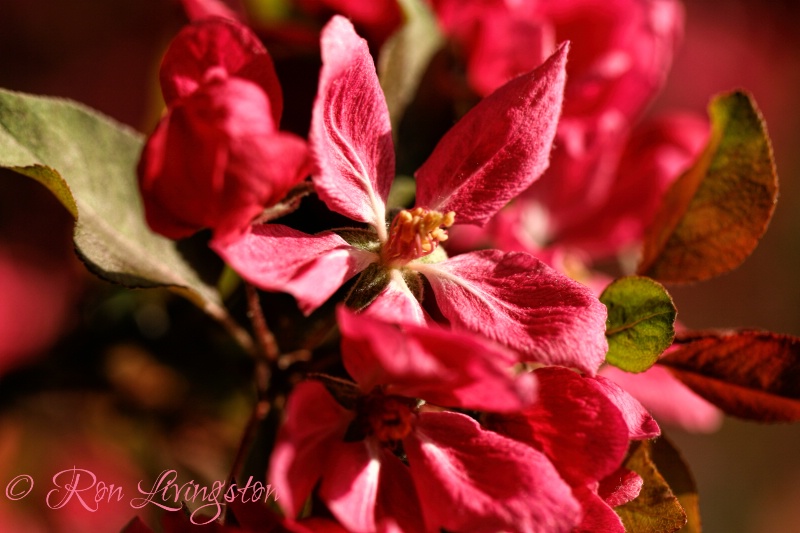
[416, 233]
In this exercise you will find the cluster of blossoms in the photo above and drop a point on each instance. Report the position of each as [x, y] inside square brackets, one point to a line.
[418, 208]
[466, 393]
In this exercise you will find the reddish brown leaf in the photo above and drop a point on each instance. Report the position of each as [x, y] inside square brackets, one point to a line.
[656, 509]
[749, 374]
[713, 216]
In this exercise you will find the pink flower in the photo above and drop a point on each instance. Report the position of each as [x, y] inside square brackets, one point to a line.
[654, 155]
[217, 159]
[386, 461]
[493, 153]
[583, 426]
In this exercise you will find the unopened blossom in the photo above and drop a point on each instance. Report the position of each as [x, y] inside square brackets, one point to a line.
[489, 156]
[217, 159]
[387, 456]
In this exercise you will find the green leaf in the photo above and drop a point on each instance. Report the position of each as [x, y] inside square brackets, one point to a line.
[88, 162]
[641, 320]
[713, 216]
[656, 509]
[405, 57]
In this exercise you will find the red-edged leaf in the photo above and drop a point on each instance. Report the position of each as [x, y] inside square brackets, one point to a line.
[713, 216]
[656, 509]
[351, 138]
[519, 301]
[497, 149]
[749, 374]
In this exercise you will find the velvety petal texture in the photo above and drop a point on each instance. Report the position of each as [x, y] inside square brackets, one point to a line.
[314, 425]
[218, 48]
[396, 303]
[497, 149]
[351, 138]
[309, 267]
[442, 367]
[575, 425]
[216, 160]
[470, 479]
[640, 424]
[519, 301]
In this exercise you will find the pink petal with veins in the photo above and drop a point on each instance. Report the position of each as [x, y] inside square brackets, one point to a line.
[281, 259]
[314, 424]
[640, 424]
[580, 430]
[517, 300]
[497, 149]
[442, 367]
[494, 483]
[351, 138]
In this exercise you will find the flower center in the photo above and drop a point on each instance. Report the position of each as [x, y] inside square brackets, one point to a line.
[390, 419]
[416, 233]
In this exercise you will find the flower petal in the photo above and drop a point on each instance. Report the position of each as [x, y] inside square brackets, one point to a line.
[350, 484]
[443, 367]
[597, 514]
[495, 483]
[519, 301]
[200, 9]
[497, 149]
[351, 138]
[216, 161]
[314, 424]
[576, 426]
[397, 304]
[640, 424]
[214, 48]
[620, 487]
[281, 259]
[668, 399]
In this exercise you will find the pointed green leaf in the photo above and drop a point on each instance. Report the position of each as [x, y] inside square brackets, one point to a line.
[405, 56]
[713, 216]
[640, 325]
[89, 163]
[656, 509]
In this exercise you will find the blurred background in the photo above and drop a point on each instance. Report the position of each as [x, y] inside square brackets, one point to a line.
[93, 375]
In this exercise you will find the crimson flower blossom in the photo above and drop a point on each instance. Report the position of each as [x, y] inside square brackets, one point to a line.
[217, 159]
[493, 153]
[387, 461]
